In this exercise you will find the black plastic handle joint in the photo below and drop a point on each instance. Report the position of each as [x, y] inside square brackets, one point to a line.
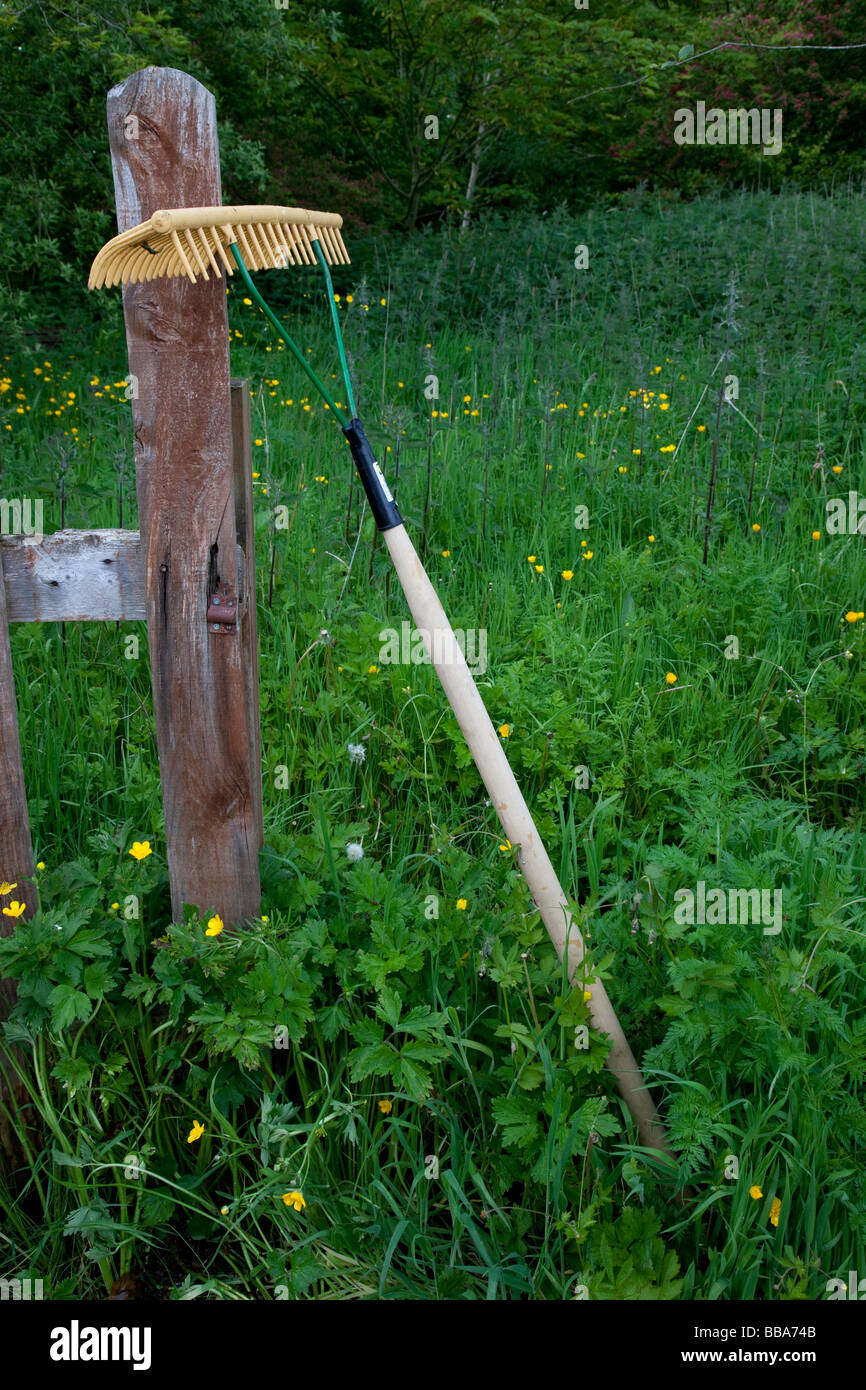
[382, 504]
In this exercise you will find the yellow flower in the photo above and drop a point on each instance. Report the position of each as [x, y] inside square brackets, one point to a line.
[667, 448]
[383, 301]
[372, 670]
[294, 1199]
[386, 1107]
[349, 299]
[837, 468]
[622, 469]
[6, 888]
[506, 847]
[195, 1133]
[816, 535]
[539, 569]
[701, 429]
[755, 526]
[215, 926]
[587, 995]
[568, 574]
[671, 678]
[445, 554]
[756, 1193]
[115, 906]
[224, 1211]
[462, 904]
[466, 400]
[587, 555]
[853, 617]
[264, 919]
[775, 1211]
[531, 559]
[505, 730]
[651, 539]
[41, 864]
[14, 909]
[140, 849]
[248, 301]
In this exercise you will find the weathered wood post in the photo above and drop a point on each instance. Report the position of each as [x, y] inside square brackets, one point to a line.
[16, 858]
[162, 133]
[16, 849]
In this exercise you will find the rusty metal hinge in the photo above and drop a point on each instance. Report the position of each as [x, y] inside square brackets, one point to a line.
[222, 613]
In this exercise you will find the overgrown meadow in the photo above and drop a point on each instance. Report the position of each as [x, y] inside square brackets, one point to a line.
[619, 475]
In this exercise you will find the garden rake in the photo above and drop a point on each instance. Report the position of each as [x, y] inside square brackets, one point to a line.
[198, 242]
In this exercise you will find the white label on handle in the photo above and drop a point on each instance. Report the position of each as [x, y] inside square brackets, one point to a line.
[380, 475]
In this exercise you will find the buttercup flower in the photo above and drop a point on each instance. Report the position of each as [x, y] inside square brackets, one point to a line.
[775, 1211]
[568, 574]
[462, 904]
[140, 849]
[671, 678]
[505, 730]
[195, 1133]
[215, 926]
[386, 1107]
[294, 1199]
[6, 888]
[14, 909]
[756, 1193]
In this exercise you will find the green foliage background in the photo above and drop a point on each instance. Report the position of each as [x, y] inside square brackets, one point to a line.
[327, 108]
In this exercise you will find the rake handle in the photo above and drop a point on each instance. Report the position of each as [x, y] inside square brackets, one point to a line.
[487, 751]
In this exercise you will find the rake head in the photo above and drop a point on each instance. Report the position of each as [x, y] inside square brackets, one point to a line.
[194, 241]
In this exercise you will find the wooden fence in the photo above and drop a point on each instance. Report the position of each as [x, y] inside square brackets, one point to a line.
[189, 570]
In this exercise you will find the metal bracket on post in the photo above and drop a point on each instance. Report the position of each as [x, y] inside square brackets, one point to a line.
[222, 613]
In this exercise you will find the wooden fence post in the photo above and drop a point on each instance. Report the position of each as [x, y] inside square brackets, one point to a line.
[16, 864]
[16, 849]
[162, 133]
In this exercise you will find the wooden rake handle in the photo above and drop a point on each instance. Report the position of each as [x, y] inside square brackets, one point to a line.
[487, 751]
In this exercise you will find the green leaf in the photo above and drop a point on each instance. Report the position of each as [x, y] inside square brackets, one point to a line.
[68, 1004]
